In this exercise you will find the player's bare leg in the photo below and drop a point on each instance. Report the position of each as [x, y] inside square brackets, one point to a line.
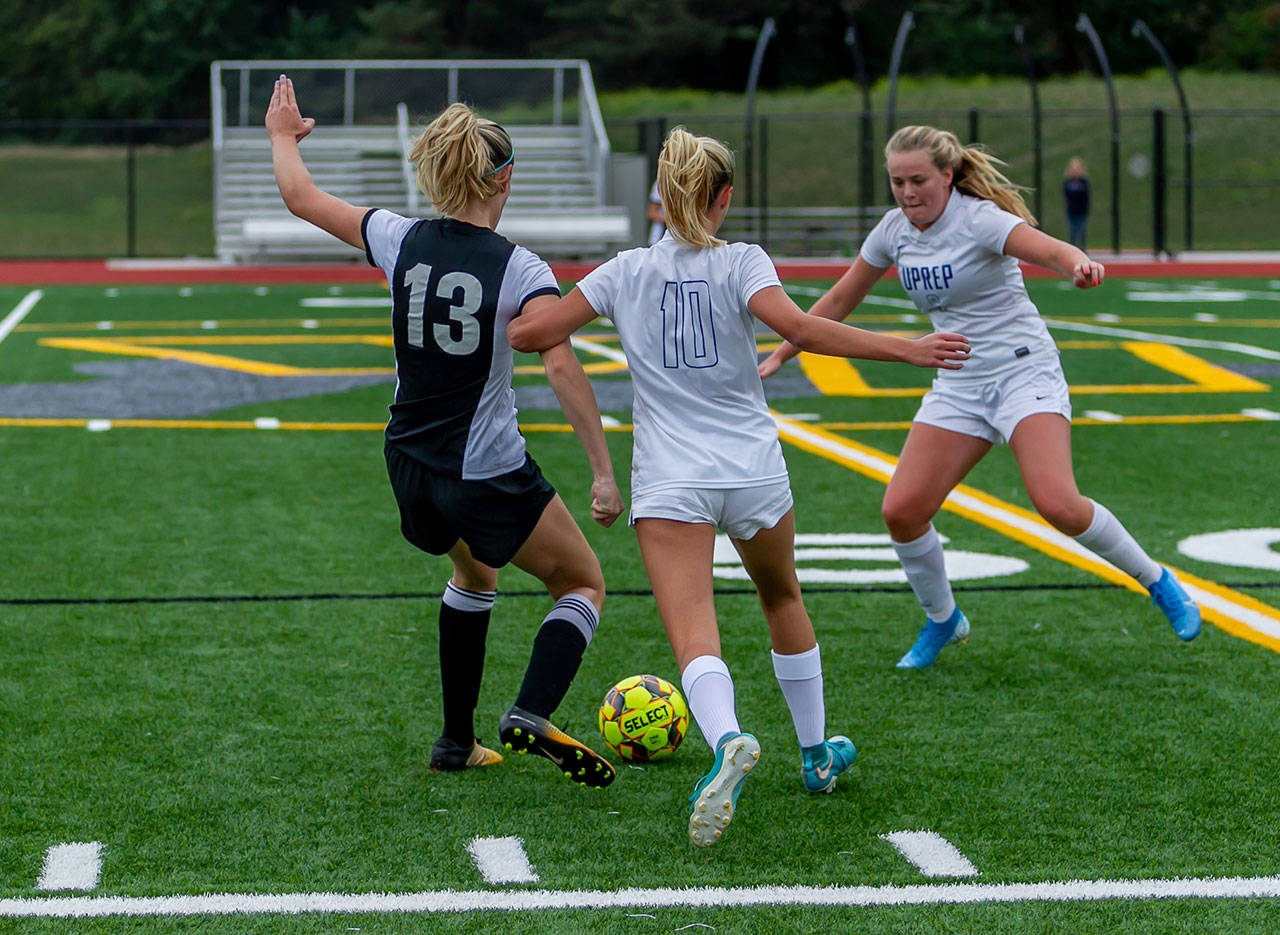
[933, 462]
[557, 553]
[769, 558]
[1042, 445]
[678, 558]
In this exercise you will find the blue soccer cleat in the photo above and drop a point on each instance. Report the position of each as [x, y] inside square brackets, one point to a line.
[716, 794]
[820, 765]
[933, 636]
[1182, 612]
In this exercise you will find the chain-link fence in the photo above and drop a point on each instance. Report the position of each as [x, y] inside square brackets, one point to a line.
[808, 184]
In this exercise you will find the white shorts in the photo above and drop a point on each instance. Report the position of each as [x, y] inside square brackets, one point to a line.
[992, 409]
[741, 512]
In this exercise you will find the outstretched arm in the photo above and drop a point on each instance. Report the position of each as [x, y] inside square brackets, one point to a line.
[578, 402]
[838, 302]
[546, 322]
[286, 126]
[818, 334]
[1035, 246]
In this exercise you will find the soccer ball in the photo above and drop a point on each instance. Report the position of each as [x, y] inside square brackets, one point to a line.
[643, 718]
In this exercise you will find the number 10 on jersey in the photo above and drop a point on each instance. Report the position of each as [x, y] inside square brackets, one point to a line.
[688, 332]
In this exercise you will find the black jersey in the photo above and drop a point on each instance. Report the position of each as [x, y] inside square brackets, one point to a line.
[454, 289]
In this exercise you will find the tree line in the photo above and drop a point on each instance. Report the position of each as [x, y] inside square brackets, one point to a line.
[149, 59]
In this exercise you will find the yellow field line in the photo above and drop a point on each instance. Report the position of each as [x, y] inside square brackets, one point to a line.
[836, 376]
[1237, 614]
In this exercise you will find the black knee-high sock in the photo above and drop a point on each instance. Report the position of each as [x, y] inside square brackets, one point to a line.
[464, 624]
[557, 654]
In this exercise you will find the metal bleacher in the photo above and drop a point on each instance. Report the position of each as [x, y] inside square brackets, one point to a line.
[358, 151]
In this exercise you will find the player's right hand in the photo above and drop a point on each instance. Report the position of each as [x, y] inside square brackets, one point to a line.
[606, 501]
[942, 350]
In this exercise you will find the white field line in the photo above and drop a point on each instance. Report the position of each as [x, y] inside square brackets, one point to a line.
[596, 347]
[1247, 349]
[890, 301]
[501, 860]
[71, 867]
[14, 318]
[932, 853]
[667, 897]
[347, 302]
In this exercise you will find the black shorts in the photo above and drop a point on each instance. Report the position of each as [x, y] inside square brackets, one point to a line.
[494, 517]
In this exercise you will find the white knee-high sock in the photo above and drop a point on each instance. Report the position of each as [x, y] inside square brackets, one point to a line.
[708, 687]
[1112, 541]
[926, 570]
[800, 678]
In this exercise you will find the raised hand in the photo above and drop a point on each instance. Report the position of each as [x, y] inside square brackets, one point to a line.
[283, 117]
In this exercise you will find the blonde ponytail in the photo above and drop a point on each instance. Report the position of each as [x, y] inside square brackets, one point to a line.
[457, 157]
[692, 171]
[973, 169]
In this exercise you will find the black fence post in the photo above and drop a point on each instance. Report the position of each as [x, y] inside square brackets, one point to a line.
[973, 125]
[764, 182]
[130, 194]
[1159, 182]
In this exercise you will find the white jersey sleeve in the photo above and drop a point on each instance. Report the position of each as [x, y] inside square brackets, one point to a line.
[600, 287]
[752, 272]
[876, 249]
[384, 231]
[531, 276]
[990, 225]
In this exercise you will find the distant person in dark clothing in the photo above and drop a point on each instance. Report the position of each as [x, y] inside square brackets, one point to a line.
[1075, 190]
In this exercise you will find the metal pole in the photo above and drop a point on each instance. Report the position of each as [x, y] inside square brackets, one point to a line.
[865, 157]
[131, 195]
[764, 182]
[904, 27]
[767, 32]
[1140, 29]
[1086, 27]
[1158, 182]
[1037, 141]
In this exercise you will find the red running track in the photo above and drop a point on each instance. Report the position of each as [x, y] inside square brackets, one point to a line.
[106, 272]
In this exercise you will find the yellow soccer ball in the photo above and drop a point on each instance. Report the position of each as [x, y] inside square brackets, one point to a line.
[643, 718]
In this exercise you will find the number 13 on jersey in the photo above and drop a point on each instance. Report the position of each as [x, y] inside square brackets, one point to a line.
[462, 310]
[688, 332]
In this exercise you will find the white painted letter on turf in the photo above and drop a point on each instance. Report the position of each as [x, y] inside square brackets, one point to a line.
[932, 853]
[71, 867]
[502, 860]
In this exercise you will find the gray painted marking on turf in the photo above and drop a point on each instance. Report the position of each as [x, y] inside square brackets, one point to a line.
[71, 867]
[163, 389]
[932, 853]
[502, 860]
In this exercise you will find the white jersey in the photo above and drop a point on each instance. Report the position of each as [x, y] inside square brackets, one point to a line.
[957, 274]
[681, 312]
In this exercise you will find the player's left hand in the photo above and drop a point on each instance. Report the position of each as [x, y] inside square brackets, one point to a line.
[283, 117]
[1088, 274]
[606, 501]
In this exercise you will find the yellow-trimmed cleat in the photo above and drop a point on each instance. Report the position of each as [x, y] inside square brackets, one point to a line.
[449, 757]
[529, 733]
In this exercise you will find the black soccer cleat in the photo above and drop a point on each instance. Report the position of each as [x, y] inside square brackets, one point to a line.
[527, 733]
[449, 757]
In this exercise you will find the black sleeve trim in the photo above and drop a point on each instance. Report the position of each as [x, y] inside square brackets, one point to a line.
[545, 290]
[364, 235]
